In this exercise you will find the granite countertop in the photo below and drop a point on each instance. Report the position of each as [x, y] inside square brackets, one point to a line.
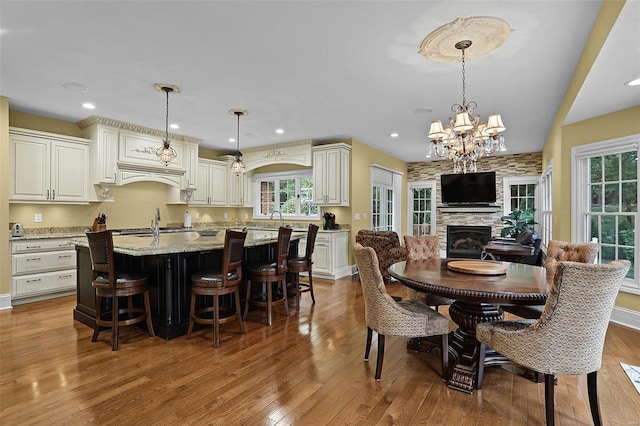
[180, 242]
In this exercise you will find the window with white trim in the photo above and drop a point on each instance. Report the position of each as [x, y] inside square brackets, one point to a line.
[290, 193]
[519, 193]
[605, 201]
[385, 199]
[421, 208]
[544, 214]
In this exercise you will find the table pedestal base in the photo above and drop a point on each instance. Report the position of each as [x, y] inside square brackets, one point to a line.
[463, 345]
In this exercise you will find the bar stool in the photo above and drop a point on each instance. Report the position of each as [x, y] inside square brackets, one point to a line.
[216, 283]
[269, 273]
[303, 263]
[113, 285]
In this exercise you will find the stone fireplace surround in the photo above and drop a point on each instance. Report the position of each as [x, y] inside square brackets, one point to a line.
[529, 164]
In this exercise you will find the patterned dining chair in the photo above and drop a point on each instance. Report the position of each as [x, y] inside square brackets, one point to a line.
[390, 318]
[387, 247]
[568, 338]
[557, 251]
[424, 247]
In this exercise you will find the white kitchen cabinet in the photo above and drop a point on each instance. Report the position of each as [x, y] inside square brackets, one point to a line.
[240, 192]
[330, 254]
[212, 177]
[41, 269]
[46, 167]
[103, 159]
[331, 171]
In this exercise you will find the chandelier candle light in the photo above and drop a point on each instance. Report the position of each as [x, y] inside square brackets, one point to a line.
[466, 139]
[166, 153]
[237, 168]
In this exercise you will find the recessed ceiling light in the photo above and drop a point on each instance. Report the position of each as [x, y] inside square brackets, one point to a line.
[279, 131]
[76, 87]
[88, 105]
[232, 140]
[394, 135]
[635, 82]
[174, 126]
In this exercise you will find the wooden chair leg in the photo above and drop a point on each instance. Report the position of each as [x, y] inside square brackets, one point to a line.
[380, 356]
[367, 348]
[482, 351]
[549, 399]
[192, 312]
[216, 321]
[147, 309]
[283, 285]
[236, 296]
[115, 325]
[246, 300]
[592, 387]
[313, 297]
[269, 303]
[444, 348]
[96, 328]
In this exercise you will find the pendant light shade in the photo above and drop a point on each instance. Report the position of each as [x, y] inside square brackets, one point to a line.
[166, 153]
[237, 168]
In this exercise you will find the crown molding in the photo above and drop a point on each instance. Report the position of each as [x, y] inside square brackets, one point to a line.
[94, 119]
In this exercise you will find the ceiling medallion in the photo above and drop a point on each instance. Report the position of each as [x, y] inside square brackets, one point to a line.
[487, 33]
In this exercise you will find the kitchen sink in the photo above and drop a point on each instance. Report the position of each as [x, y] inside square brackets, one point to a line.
[149, 231]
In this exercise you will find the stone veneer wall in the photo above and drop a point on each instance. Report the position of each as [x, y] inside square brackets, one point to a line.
[504, 165]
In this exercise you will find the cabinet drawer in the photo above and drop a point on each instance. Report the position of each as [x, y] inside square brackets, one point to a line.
[41, 245]
[44, 283]
[323, 238]
[30, 263]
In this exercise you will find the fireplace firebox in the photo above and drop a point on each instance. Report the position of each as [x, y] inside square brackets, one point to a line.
[467, 241]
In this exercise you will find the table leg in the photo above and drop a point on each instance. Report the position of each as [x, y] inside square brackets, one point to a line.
[463, 344]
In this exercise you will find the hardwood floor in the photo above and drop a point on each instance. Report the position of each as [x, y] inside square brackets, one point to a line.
[307, 369]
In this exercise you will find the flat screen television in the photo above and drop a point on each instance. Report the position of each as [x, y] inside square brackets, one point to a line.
[469, 188]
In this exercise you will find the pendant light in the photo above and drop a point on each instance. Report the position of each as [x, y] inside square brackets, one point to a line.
[166, 153]
[237, 168]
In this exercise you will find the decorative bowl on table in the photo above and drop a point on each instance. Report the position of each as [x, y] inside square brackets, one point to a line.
[208, 232]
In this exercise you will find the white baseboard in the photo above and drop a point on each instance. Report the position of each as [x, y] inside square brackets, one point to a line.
[626, 317]
[5, 301]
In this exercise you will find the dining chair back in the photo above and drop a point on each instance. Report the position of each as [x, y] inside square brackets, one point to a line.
[568, 338]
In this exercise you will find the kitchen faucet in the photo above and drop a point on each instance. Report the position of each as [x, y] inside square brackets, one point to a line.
[155, 224]
[280, 213]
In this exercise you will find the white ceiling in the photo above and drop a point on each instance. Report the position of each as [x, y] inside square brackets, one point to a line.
[317, 69]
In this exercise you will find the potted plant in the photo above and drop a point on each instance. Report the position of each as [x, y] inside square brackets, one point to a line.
[517, 221]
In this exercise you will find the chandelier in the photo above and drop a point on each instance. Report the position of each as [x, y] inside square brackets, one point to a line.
[166, 153]
[237, 168]
[466, 139]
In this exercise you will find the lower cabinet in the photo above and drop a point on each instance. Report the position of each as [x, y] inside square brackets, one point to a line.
[330, 254]
[41, 269]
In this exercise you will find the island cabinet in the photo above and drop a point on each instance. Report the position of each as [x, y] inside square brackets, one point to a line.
[330, 254]
[47, 167]
[169, 266]
[331, 165]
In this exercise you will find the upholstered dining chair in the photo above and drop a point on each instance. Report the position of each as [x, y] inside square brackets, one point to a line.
[218, 282]
[267, 273]
[421, 248]
[557, 251]
[114, 285]
[387, 317]
[387, 247]
[568, 338]
[304, 263]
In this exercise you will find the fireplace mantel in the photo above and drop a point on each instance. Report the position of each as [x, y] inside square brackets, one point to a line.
[470, 209]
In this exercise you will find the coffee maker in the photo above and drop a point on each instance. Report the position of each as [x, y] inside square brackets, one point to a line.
[330, 221]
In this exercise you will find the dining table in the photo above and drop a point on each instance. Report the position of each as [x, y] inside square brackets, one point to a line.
[479, 288]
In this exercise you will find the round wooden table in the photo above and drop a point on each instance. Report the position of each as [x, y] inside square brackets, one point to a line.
[477, 299]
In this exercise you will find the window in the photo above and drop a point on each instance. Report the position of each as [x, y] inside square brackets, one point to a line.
[422, 213]
[606, 201]
[385, 199]
[290, 193]
[519, 193]
[544, 215]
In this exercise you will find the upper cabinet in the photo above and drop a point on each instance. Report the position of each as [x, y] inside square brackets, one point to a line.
[46, 167]
[240, 191]
[212, 177]
[123, 153]
[331, 164]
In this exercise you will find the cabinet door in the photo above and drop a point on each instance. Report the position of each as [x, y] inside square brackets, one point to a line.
[106, 155]
[319, 177]
[333, 177]
[322, 258]
[201, 193]
[69, 171]
[340, 251]
[29, 168]
[247, 189]
[190, 166]
[236, 187]
[218, 181]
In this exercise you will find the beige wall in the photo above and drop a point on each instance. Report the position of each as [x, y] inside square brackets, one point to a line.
[562, 138]
[5, 270]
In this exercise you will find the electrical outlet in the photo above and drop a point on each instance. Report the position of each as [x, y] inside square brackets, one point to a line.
[364, 216]
[197, 215]
[37, 218]
[356, 216]
[246, 215]
[226, 216]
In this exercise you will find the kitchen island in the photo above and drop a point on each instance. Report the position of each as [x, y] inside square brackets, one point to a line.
[169, 262]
